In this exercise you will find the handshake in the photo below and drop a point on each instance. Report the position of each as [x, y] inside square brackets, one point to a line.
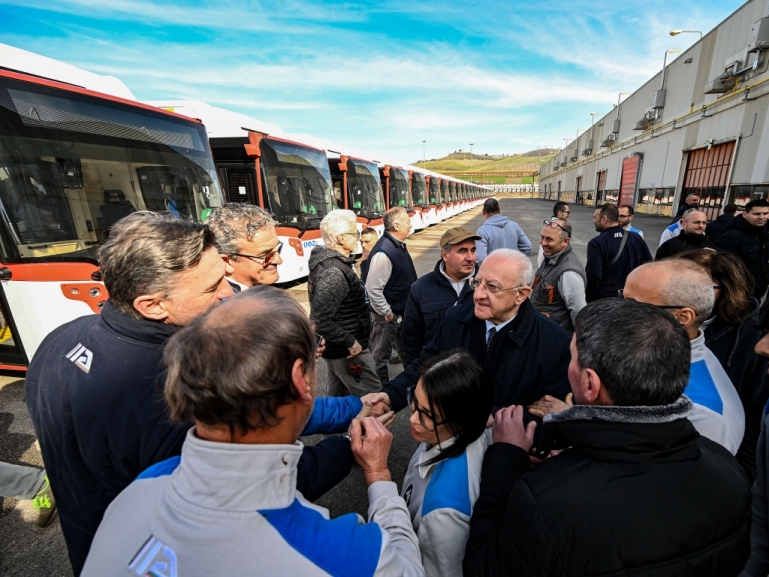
[371, 438]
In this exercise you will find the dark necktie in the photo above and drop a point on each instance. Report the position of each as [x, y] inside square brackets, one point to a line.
[492, 334]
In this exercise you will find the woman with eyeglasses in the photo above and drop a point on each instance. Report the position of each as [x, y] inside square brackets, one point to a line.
[450, 405]
[731, 333]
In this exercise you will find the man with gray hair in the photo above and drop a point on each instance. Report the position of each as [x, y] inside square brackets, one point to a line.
[684, 289]
[525, 354]
[93, 387]
[339, 307]
[230, 505]
[388, 277]
[245, 237]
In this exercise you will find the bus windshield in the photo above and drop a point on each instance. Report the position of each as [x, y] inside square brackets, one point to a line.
[72, 165]
[418, 190]
[298, 183]
[399, 188]
[366, 198]
[435, 194]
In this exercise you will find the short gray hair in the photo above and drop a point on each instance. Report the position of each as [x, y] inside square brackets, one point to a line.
[144, 253]
[689, 211]
[255, 337]
[235, 222]
[690, 286]
[391, 216]
[335, 223]
[525, 268]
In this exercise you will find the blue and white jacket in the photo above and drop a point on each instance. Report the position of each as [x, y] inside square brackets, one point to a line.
[231, 509]
[672, 231]
[717, 411]
[440, 499]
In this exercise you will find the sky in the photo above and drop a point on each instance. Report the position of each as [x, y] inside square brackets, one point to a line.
[507, 76]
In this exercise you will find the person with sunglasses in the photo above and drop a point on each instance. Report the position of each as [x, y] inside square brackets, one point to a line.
[561, 211]
[685, 290]
[247, 241]
[450, 405]
[339, 306]
[559, 284]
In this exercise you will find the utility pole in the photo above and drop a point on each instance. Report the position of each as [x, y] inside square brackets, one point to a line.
[423, 154]
[471, 161]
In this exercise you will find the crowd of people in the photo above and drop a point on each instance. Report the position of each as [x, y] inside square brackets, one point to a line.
[571, 420]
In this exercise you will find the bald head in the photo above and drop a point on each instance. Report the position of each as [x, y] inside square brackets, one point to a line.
[694, 222]
[674, 283]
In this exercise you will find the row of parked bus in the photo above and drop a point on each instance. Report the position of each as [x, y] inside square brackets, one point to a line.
[300, 178]
[78, 152]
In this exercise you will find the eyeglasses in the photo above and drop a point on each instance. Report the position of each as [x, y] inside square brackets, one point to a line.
[621, 293]
[625, 215]
[423, 414]
[266, 258]
[553, 224]
[356, 234]
[566, 211]
[492, 288]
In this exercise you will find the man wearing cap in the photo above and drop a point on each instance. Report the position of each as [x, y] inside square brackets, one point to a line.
[433, 294]
[559, 285]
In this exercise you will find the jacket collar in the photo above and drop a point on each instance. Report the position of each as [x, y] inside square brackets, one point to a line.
[699, 350]
[141, 330]
[232, 477]
[613, 229]
[399, 243]
[553, 260]
[647, 435]
[520, 333]
[431, 453]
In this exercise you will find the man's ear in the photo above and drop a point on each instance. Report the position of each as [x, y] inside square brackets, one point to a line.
[685, 316]
[151, 307]
[302, 382]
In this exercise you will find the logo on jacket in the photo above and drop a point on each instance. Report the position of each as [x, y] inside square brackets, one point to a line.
[82, 357]
[153, 559]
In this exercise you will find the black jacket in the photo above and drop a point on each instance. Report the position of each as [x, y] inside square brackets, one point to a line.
[751, 244]
[338, 302]
[681, 243]
[103, 420]
[716, 228]
[430, 297]
[639, 492]
[525, 362]
[604, 281]
[733, 346]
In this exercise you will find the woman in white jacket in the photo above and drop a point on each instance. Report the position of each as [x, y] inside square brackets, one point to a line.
[450, 403]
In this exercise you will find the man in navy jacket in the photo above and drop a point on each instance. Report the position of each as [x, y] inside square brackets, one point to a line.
[605, 272]
[94, 388]
[434, 293]
[525, 354]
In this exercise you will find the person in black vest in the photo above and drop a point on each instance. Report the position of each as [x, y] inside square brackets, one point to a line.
[339, 307]
[434, 293]
[612, 255]
[559, 285]
[746, 236]
[388, 281]
[635, 489]
[246, 239]
[692, 236]
[525, 354]
[94, 389]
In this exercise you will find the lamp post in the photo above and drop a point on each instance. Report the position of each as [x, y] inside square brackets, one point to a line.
[423, 154]
[665, 64]
[471, 161]
[677, 32]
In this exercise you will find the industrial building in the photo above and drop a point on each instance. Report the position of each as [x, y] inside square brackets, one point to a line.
[700, 125]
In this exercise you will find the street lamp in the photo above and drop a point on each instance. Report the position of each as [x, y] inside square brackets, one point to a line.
[423, 154]
[677, 32]
[471, 161]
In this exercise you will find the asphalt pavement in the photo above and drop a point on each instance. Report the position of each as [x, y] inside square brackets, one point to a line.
[27, 550]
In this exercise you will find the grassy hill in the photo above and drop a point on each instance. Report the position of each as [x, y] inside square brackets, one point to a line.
[464, 161]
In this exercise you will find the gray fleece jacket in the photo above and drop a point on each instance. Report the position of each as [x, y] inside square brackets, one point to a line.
[500, 232]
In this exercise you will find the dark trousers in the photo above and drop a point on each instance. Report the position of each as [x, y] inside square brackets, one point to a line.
[385, 336]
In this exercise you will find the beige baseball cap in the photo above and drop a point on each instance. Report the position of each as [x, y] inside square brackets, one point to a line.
[456, 235]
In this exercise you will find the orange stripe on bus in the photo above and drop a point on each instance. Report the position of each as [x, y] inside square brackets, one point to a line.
[52, 271]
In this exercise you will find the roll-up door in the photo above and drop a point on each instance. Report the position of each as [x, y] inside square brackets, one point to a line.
[629, 179]
[707, 174]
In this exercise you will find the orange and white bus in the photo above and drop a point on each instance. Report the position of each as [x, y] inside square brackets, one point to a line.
[73, 161]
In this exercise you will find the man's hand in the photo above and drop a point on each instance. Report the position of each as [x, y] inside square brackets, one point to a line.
[548, 404]
[390, 317]
[371, 443]
[320, 349]
[355, 350]
[508, 428]
[380, 410]
[380, 403]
